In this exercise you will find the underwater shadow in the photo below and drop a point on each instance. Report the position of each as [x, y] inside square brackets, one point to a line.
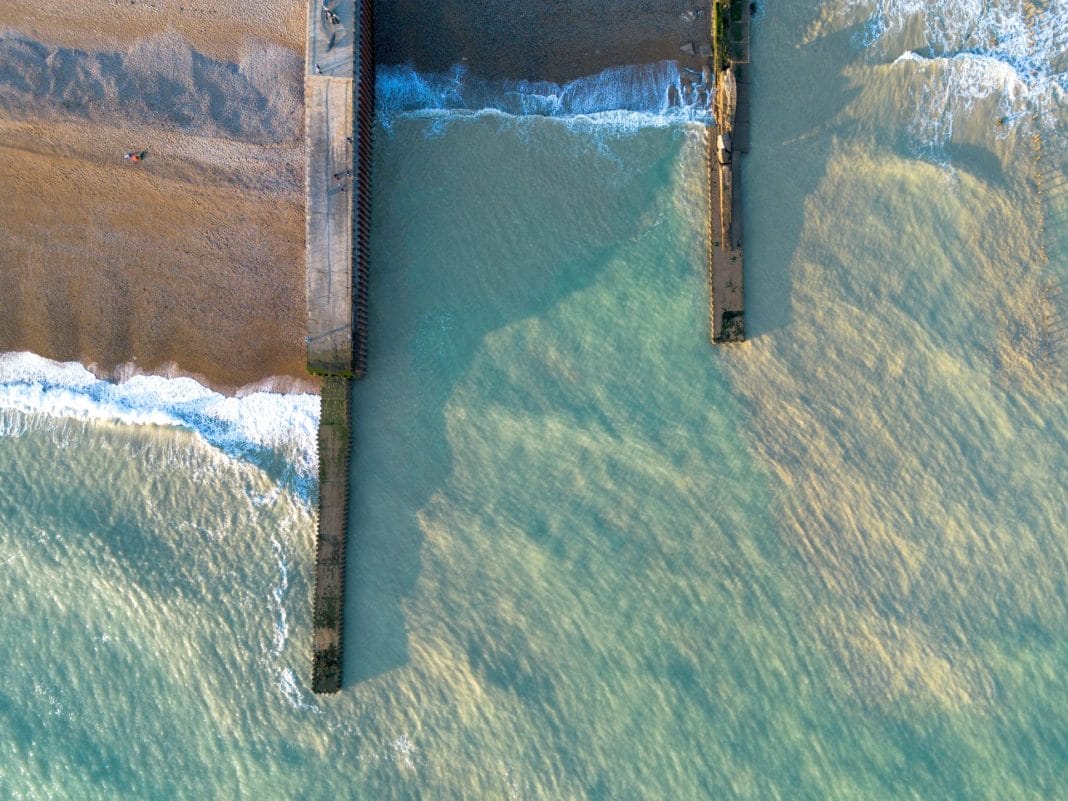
[980, 162]
[436, 293]
[792, 136]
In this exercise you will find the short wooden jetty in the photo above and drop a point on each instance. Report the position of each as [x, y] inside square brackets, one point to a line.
[728, 139]
[339, 114]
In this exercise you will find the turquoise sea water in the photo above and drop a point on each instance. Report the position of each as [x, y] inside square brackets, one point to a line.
[593, 557]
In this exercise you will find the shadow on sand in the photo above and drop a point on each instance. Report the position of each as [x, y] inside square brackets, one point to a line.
[160, 80]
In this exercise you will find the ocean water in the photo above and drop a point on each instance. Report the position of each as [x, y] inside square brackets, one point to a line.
[593, 557]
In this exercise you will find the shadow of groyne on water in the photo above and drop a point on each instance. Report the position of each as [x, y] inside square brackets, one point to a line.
[792, 142]
[453, 261]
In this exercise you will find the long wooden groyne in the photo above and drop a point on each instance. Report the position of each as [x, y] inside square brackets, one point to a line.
[339, 115]
[728, 139]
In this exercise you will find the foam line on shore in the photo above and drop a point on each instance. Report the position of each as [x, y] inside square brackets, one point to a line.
[620, 97]
[264, 428]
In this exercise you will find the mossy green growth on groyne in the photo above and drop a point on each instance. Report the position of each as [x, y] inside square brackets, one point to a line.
[728, 140]
[339, 114]
[720, 28]
[335, 446]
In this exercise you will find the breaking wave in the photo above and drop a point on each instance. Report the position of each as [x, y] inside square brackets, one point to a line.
[1007, 51]
[275, 432]
[620, 97]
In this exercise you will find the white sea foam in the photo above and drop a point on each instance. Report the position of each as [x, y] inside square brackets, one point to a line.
[263, 427]
[278, 594]
[947, 89]
[404, 752]
[621, 99]
[290, 689]
[974, 50]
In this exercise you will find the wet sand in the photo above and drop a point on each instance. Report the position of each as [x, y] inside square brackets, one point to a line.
[192, 261]
[555, 40]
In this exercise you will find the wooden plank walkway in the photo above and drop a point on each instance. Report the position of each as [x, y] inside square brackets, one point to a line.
[328, 220]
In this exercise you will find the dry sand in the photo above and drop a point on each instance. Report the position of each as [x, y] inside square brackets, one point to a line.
[217, 28]
[193, 260]
[109, 265]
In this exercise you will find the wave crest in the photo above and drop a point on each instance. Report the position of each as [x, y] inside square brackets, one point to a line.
[275, 432]
[976, 51]
[646, 95]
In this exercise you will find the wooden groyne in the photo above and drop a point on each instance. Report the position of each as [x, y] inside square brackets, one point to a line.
[363, 139]
[335, 448]
[339, 115]
[728, 138]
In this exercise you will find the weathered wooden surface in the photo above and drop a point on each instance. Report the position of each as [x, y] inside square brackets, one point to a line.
[339, 114]
[726, 259]
[329, 240]
[726, 262]
[363, 139]
[334, 458]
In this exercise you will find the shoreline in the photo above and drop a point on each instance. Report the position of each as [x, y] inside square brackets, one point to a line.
[558, 42]
[281, 385]
[191, 264]
[275, 431]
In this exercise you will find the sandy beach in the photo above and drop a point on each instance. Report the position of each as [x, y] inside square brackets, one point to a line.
[555, 40]
[216, 29]
[192, 261]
